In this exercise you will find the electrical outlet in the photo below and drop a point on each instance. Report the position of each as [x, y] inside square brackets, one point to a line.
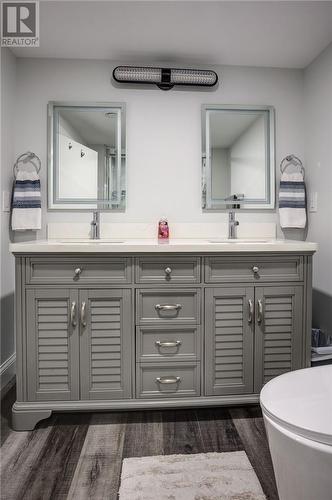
[6, 201]
[313, 205]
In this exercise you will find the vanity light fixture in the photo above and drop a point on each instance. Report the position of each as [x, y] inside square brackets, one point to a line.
[165, 78]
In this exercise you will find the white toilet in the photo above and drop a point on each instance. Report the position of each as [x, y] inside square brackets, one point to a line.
[297, 410]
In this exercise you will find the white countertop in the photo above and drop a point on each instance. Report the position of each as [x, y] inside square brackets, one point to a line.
[154, 246]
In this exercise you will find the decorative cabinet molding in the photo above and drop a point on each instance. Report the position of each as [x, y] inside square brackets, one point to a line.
[229, 340]
[52, 345]
[79, 344]
[105, 344]
[279, 334]
[156, 331]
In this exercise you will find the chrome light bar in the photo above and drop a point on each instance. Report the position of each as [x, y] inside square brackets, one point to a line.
[165, 78]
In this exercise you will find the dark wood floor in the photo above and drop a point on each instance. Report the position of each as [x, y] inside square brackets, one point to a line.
[78, 456]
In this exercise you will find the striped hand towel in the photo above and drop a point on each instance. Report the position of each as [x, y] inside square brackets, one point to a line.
[26, 201]
[292, 201]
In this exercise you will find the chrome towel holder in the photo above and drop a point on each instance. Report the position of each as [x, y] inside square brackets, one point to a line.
[25, 158]
[292, 160]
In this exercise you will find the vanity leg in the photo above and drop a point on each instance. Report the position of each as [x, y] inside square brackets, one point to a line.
[25, 419]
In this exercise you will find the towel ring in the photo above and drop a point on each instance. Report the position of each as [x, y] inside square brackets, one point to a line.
[291, 160]
[27, 157]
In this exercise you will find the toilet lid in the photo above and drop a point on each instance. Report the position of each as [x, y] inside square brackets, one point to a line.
[301, 401]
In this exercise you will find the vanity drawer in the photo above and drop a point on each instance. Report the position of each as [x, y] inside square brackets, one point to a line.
[253, 269]
[168, 270]
[69, 270]
[168, 306]
[167, 343]
[169, 381]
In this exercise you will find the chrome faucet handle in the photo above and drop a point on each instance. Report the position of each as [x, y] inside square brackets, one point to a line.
[235, 196]
[95, 225]
[96, 216]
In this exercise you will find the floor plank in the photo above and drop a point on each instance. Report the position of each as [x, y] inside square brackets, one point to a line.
[53, 469]
[98, 470]
[19, 454]
[182, 433]
[144, 434]
[250, 426]
[217, 430]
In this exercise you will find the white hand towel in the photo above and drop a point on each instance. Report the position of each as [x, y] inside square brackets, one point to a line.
[292, 201]
[26, 201]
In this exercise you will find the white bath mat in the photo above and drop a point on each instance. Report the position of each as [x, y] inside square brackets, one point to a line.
[205, 476]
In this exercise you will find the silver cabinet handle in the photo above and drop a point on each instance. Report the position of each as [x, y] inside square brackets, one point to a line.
[251, 311]
[168, 307]
[83, 314]
[73, 311]
[78, 272]
[168, 380]
[168, 271]
[168, 343]
[259, 311]
[255, 270]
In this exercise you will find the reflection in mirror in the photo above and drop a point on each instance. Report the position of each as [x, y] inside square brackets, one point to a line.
[87, 159]
[237, 157]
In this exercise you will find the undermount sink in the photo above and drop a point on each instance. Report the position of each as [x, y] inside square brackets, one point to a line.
[237, 240]
[89, 241]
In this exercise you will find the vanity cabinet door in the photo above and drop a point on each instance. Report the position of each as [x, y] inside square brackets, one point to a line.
[106, 336]
[229, 326]
[52, 344]
[278, 332]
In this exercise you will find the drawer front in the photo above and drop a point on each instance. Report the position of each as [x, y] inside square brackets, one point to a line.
[168, 270]
[253, 269]
[78, 270]
[171, 381]
[168, 306]
[168, 343]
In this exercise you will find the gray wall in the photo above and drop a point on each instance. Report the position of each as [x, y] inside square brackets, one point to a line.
[8, 101]
[318, 153]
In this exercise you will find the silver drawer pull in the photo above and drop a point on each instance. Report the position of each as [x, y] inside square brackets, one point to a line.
[168, 343]
[168, 307]
[168, 380]
[83, 315]
[255, 269]
[251, 311]
[259, 312]
[73, 320]
[168, 271]
[78, 272]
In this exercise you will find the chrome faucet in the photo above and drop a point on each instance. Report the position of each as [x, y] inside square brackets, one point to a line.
[95, 226]
[232, 223]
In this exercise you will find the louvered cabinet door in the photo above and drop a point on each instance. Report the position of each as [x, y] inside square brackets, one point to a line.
[106, 336]
[278, 332]
[229, 322]
[52, 345]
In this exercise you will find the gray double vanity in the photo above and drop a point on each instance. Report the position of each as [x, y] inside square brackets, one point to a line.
[133, 323]
[105, 326]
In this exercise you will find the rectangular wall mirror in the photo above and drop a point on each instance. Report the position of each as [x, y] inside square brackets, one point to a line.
[86, 156]
[238, 158]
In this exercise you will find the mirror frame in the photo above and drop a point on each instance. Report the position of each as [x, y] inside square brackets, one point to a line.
[122, 145]
[269, 202]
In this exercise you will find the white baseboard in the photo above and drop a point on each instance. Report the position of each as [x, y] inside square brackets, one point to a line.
[8, 370]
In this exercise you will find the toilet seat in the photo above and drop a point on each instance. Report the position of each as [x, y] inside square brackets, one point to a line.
[301, 402]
